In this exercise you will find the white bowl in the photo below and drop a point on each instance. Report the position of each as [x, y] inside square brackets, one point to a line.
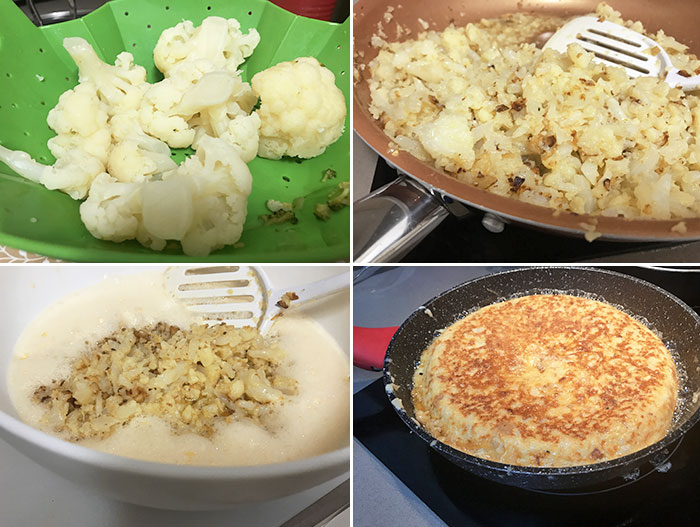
[27, 290]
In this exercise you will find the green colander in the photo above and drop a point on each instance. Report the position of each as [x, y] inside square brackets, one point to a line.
[35, 70]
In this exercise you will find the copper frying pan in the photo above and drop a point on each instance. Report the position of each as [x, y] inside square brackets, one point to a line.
[426, 186]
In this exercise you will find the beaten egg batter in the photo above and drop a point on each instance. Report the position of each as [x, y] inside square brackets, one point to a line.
[313, 422]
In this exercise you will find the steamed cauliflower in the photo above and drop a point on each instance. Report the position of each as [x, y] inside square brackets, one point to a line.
[115, 130]
[232, 121]
[302, 111]
[112, 211]
[111, 146]
[217, 42]
[220, 183]
[80, 120]
[188, 57]
[169, 105]
[202, 203]
[73, 173]
[120, 86]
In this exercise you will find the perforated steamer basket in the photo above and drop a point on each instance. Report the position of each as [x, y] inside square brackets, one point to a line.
[35, 70]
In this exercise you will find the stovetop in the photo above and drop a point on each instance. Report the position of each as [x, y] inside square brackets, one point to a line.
[460, 498]
[466, 240]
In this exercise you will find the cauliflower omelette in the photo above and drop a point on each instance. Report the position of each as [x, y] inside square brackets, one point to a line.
[546, 380]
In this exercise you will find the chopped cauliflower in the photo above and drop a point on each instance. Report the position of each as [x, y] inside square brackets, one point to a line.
[302, 111]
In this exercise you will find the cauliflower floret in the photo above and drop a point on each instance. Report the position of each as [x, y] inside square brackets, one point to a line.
[120, 86]
[172, 129]
[170, 104]
[202, 87]
[217, 42]
[221, 184]
[202, 203]
[232, 121]
[301, 109]
[79, 111]
[112, 211]
[80, 120]
[134, 159]
[73, 173]
[235, 127]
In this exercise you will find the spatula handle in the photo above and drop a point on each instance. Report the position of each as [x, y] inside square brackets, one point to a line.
[676, 80]
[314, 290]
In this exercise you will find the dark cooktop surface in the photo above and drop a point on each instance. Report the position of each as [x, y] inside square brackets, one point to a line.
[460, 498]
[466, 240]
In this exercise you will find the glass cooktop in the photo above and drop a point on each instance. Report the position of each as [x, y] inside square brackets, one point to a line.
[460, 498]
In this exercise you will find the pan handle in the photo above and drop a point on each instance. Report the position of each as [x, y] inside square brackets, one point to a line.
[369, 346]
[390, 221]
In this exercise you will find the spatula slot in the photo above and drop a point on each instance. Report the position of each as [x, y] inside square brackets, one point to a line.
[613, 48]
[212, 270]
[618, 62]
[231, 315]
[213, 285]
[233, 299]
[615, 37]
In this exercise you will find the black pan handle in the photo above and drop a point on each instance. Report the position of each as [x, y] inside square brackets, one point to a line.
[390, 221]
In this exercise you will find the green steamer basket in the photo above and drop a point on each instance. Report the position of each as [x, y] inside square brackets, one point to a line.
[35, 70]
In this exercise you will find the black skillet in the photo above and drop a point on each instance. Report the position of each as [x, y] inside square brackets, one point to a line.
[676, 323]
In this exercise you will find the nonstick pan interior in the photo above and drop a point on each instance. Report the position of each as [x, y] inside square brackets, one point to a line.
[677, 18]
[676, 323]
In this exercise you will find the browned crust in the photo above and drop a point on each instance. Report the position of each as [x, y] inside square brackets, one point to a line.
[553, 368]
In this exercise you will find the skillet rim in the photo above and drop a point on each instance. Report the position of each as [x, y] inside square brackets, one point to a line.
[522, 470]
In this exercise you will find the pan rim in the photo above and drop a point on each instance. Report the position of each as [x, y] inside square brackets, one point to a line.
[509, 217]
[524, 470]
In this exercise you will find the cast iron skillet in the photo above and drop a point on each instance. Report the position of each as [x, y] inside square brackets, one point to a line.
[675, 17]
[676, 323]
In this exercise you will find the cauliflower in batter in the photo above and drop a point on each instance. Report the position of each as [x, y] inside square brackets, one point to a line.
[302, 111]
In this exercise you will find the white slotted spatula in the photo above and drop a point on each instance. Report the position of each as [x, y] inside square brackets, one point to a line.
[619, 46]
[241, 295]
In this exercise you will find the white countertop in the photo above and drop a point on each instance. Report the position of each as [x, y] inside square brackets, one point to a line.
[32, 496]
